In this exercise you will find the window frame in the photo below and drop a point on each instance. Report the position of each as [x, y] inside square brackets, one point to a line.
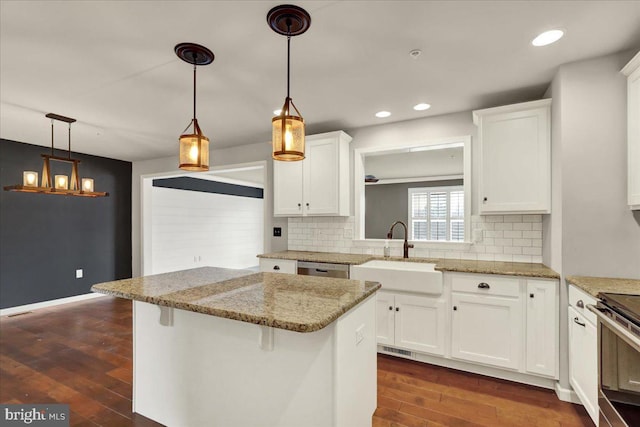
[428, 190]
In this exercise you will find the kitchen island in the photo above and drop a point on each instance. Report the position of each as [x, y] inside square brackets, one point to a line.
[224, 347]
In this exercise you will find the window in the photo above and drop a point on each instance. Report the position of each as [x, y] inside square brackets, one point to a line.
[436, 213]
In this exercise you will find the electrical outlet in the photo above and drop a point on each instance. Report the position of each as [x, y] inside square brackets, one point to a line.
[277, 231]
[79, 273]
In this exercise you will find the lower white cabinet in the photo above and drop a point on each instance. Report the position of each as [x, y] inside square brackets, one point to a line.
[270, 265]
[583, 350]
[412, 322]
[486, 329]
[542, 330]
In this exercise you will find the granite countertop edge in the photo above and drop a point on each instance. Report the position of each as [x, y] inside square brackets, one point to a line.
[311, 326]
[595, 285]
[460, 266]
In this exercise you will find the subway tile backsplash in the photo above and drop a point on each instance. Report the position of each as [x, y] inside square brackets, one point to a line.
[516, 238]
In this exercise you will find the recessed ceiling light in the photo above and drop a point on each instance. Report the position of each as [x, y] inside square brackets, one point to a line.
[277, 112]
[383, 114]
[547, 37]
[421, 107]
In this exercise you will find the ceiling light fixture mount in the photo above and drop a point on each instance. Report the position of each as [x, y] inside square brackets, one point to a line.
[61, 185]
[547, 38]
[288, 127]
[194, 147]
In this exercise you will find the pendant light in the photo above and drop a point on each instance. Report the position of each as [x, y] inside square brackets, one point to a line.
[58, 184]
[288, 126]
[194, 147]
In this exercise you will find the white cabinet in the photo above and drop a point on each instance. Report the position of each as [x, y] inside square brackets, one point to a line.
[319, 184]
[583, 351]
[632, 71]
[542, 327]
[515, 160]
[278, 266]
[486, 329]
[411, 322]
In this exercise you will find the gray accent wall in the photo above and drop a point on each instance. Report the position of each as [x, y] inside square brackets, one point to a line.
[387, 203]
[45, 238]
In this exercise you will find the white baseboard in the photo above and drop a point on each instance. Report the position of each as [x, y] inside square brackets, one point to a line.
[567, 394]
[30, 307]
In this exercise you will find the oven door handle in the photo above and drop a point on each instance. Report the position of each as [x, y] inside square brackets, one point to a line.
[621, 332]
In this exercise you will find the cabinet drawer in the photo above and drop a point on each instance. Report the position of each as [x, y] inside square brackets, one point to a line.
[578, 299]
[486, 285]
[278, 265]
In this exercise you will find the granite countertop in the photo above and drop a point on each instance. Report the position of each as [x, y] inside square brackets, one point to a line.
[454, 265]
[284, 301]
[595, 285]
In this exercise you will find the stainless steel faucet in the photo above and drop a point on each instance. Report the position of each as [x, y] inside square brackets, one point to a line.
[406, 232]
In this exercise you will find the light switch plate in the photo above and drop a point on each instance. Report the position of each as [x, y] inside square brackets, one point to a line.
[79, 273]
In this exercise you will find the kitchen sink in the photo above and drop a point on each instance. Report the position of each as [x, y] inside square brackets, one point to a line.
[401, 275]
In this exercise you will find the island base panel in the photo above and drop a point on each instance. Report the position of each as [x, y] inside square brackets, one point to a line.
[206, 370]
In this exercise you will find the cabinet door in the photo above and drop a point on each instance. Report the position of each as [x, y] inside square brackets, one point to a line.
[420, 323]
[515, 163]
[583, 361]
[633, 136]
[287, 188]
[384, 318]
[542, 327]
[321, 177]
[487, 329]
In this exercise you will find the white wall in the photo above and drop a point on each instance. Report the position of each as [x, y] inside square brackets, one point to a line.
[600, 235]
[194, 229]
[219, 157]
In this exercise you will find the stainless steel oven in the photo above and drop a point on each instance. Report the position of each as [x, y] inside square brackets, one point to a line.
[618, 359]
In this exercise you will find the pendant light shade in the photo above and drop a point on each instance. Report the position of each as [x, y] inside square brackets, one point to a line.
[288, 128]
[288, 134]
[194, 150]
[194, 147]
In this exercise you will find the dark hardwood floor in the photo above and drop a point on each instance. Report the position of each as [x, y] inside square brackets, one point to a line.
[80, 354]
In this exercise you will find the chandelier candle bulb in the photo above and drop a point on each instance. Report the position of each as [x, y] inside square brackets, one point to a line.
[30, 179]
[87, 185]
[62, 182]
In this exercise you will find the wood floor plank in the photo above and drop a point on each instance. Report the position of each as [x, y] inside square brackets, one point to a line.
[81, 354]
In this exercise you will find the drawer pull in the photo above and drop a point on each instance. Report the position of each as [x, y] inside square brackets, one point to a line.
[575, 320]
[580, 304]
[483, 285]
[276, 267]
[321, 271]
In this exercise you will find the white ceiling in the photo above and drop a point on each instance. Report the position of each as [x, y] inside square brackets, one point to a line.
[111, 65]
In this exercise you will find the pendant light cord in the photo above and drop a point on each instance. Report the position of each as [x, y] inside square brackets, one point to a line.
[69, 152]
[288, 53]
[194, 86]
[52, 137]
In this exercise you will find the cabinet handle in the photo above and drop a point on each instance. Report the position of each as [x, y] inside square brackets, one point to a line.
[455, 308]
[390, 308]
[575, 320]
[397, 308]
[531, 295]
[276, 267]
[580, 304]
[483, 285]
[484, 200]
[307, 205]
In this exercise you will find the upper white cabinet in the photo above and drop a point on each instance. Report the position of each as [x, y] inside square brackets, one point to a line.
[632, 71]
[319, 184]
[515, 158]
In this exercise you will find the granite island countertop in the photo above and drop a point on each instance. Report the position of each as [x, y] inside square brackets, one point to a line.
[595, 285]
[453, 265]
[284, 301]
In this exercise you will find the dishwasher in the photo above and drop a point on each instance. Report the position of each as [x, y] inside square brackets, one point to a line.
[323, 269]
